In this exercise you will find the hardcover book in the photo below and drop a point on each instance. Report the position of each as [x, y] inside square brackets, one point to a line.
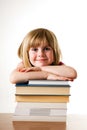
[45, 82]
[41, 98]
[47, 90]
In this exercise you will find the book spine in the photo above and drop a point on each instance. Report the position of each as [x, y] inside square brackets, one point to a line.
[42, 98]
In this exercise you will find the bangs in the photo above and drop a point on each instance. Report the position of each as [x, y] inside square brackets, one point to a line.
[40, 37]
[39, 42]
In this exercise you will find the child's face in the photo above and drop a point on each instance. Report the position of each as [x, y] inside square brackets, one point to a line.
[41, 55]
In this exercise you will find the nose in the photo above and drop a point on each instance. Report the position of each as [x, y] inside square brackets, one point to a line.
[40, 53]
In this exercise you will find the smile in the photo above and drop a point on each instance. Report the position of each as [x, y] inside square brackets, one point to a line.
[41, 59]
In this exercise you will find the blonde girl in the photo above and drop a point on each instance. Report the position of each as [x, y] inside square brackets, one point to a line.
[41, 58]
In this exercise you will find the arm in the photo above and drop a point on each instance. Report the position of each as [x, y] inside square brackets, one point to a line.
[61, 70]
[24, 76]
[21, 74]
[17, 76]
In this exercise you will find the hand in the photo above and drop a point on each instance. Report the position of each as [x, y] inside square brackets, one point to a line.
[30, 69]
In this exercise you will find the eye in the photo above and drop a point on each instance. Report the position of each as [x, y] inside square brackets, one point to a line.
[47, 48]
[34, 49]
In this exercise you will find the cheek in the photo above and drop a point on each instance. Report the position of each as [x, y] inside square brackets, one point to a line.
[51, 55]
[32, 57]
[53, 58]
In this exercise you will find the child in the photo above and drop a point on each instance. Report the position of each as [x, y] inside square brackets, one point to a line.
[41, 59]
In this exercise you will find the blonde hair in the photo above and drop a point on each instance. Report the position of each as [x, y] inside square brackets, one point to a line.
[33, 39]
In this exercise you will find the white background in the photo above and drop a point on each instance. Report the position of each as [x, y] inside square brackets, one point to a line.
[67, 19]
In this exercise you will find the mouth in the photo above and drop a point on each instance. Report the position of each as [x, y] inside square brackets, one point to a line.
[42, 59]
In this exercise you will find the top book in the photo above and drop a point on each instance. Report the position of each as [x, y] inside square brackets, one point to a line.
[47, 82]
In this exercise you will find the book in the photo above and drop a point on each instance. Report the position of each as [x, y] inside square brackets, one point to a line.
[48, 82]
[45, 82]
[36, 111]
[39, 114]
[41, 98]
[41, 105]
[47, 90]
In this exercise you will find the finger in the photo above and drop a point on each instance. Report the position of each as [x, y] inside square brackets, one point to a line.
[22, 70]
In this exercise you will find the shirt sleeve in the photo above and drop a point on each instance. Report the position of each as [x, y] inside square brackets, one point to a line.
[61, 63]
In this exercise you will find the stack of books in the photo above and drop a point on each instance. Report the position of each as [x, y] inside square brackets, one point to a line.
[42, 100]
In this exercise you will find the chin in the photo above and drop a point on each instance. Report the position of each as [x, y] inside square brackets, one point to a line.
[39, 65]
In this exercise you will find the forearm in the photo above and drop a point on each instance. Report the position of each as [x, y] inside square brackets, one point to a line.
[61, 70]
[17, 76]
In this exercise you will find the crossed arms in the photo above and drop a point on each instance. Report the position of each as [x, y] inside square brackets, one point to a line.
[58, 72]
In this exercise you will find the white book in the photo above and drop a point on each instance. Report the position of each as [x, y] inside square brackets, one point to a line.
[25, 109]
[48, 82]
[40, 112]
[41, 105]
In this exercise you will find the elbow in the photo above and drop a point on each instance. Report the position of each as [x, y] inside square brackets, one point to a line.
[13, 78]
[12, 81]
[74, 74]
